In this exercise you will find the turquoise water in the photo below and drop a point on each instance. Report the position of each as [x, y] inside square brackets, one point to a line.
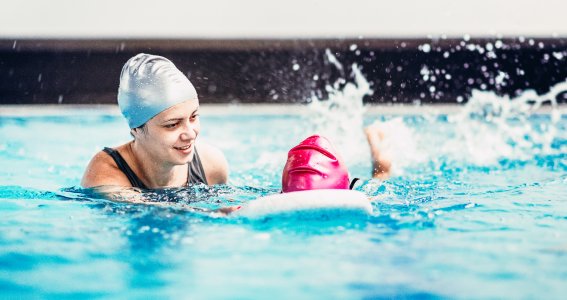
[475, 209]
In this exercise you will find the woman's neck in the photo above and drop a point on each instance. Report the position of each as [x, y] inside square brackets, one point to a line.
[155, 174]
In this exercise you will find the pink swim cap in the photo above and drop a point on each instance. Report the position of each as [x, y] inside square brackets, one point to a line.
[313, 165]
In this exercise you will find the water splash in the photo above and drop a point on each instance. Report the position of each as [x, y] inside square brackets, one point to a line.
[491, 127]
[340, 116]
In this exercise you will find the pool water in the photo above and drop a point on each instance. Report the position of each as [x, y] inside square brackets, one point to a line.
[476, 208]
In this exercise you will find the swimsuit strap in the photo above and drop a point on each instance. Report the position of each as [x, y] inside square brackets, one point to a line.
[195, 171]
[354, 180]
[125, 168]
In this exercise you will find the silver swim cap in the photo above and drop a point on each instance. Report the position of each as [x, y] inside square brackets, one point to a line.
[150, 84]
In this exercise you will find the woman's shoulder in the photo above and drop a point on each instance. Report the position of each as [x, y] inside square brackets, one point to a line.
[214, 163]
[103, 170]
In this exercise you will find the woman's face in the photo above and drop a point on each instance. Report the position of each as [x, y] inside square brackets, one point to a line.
[170, 136]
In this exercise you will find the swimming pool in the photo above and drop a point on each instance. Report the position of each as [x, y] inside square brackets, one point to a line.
[477, 209]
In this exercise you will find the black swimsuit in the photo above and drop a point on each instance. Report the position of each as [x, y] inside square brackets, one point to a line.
[195, 175]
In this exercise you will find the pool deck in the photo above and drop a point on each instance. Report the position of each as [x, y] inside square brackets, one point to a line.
[243, 109]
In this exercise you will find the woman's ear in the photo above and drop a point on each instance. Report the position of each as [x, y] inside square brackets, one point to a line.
[135, 132]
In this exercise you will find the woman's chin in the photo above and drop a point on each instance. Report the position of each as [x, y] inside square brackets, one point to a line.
[184, 159]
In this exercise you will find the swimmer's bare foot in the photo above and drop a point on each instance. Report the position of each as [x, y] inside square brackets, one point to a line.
[381, 164]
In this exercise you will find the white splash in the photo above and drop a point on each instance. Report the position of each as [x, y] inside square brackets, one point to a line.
[487, 129]
[340, 116]
[332, 59]
[492, 127]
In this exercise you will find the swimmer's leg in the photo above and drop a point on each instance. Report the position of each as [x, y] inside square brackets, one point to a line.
[381, 165]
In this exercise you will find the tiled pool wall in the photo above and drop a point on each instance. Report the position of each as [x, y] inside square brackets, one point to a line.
[285, 70]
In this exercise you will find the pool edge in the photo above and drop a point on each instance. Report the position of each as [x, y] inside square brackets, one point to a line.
[241, 109]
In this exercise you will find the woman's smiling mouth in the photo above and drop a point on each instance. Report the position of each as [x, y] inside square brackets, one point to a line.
[184, 149]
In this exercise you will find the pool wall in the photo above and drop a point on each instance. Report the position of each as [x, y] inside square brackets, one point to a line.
[80, 71]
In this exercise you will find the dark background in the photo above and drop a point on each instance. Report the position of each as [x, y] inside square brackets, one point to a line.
[254, 71]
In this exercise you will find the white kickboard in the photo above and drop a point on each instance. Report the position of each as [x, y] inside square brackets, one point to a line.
[306, 201]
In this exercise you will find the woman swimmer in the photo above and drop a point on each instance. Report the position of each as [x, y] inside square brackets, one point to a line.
[162, 110]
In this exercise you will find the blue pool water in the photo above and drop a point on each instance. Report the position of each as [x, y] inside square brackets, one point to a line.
[475, 209]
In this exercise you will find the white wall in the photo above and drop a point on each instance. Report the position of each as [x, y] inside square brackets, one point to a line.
[280, 19]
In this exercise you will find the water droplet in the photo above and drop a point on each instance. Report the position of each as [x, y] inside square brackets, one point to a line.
[558, 55]
[295, 67]
[426, 48]
[546, 57]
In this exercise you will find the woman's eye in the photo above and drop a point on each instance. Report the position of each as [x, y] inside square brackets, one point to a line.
[170, 125]
[193, 117]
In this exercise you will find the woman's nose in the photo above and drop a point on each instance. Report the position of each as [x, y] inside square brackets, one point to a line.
[188, 131]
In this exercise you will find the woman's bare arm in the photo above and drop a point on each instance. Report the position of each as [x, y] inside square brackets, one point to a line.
[214, 163]
[102, 170]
